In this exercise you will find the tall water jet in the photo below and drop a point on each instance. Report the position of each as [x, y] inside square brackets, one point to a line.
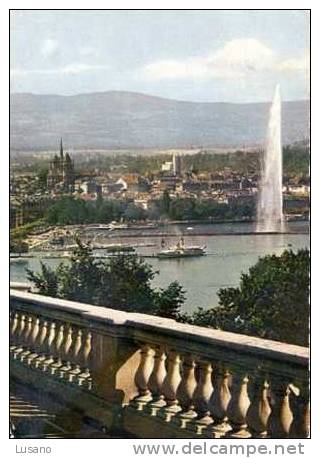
[269, 210]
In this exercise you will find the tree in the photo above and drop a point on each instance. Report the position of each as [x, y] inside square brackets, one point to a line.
[166, 200]
[133, 212]
[122, 282]
[125, 284]
[170, 301]
[42, 177]
[272, 301]
[46, 281]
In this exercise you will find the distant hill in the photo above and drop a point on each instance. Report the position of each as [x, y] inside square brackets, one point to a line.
[118, 119]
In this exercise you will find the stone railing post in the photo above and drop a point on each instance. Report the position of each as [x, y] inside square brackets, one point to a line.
[49, 350]
[260, 409]
[58, 349]
[202, 396]
[26, 338]
[74, 355]
[84, 378]
[281, 416]
[170, 386]
[239, 406]
[114, 361]
[14, 331]
[35, 335]
[20, 332]
[66, 367]
[186, 392]
[143, 374]
[222, 397]
[156, 381]
[43, 335]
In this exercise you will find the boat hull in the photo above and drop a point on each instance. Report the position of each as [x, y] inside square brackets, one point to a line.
[176, 254]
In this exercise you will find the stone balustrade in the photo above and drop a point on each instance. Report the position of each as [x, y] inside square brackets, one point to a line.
[151, 377]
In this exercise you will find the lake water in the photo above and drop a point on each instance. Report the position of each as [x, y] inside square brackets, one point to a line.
[228, 255]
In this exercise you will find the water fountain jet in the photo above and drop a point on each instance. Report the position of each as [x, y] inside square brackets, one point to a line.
[269, 210]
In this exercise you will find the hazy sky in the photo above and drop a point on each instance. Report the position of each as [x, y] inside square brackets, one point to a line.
[232, 56]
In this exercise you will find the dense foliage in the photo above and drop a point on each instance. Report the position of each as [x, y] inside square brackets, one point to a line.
[296, 161]
[70, 210]
[272, 301]
[122, 282]
[183, 209]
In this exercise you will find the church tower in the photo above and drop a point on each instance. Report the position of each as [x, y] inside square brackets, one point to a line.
[61, 172]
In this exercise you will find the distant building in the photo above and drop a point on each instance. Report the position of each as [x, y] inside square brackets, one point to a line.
[90, 187]
[114, 187]
[177, 165]
[174, 167]
[195, 186]
[166, 166]
[61, 172]
[166, 182]
[134, 183]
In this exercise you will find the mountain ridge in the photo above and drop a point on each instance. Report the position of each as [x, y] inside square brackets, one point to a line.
[124, 119]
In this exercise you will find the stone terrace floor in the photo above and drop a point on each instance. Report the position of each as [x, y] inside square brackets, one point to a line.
[34, 415]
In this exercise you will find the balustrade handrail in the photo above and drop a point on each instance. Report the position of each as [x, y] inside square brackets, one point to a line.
[158, 330]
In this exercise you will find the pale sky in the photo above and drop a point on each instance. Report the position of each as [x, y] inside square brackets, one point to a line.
[228, 56]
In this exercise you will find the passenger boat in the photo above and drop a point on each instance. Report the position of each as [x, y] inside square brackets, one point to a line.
[181, 251]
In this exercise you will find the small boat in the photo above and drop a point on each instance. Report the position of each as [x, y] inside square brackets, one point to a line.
[181, 251]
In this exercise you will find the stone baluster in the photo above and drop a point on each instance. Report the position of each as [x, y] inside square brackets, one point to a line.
[58, 350]
[202, 396]
[221, 400]
[45, 364]
[240, 403]
[84, 378]
[303, 428]
[66, 354]
[186, 392]
[76, 356]
[34, 341]
[21, 327]
[14, 331]
[27, 339]
[156, 381]
[170, 386]
[300, 407]
[44, 334]
[304, 424]
[281, 416]
[142, 377]
[259, 410]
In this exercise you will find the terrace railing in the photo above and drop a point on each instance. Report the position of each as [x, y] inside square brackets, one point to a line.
[149, 377]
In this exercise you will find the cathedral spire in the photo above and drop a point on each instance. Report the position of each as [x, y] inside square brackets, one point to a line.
[61, 149]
